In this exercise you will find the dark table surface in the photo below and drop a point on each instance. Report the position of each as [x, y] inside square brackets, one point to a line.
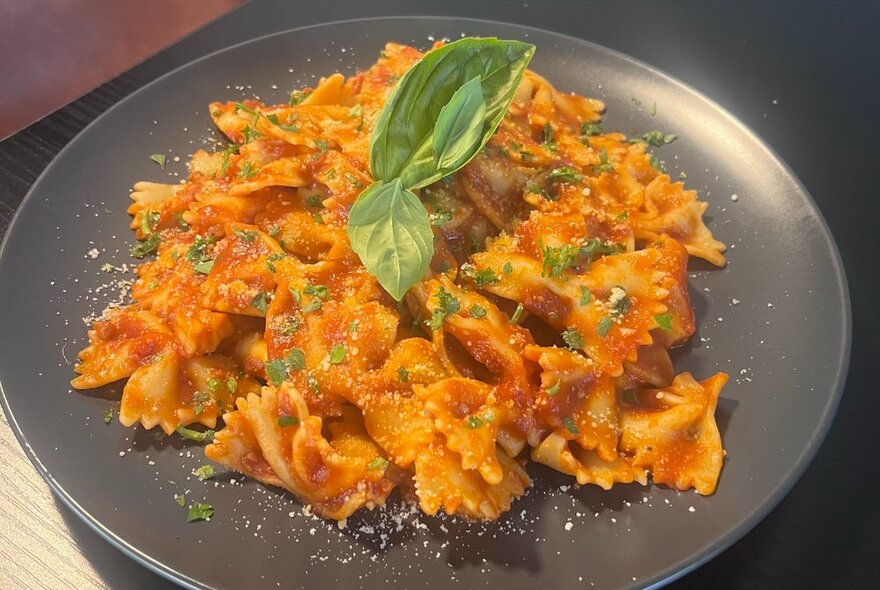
[802, 74]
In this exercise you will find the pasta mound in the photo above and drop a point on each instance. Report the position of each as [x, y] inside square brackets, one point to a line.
[542, 330]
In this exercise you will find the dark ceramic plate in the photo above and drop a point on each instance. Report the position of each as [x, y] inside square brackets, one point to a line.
[777, 319]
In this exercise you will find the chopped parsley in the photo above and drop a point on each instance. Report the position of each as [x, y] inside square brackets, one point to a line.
[231, 384]
[565, 174]
[277, 370]
[292, 326]
[195, 435]
[199, 400]
[586, 296]
[664, 321]
[261, 300]
[248, 171]
[573, 338]
[204, 472]
[604, 165]
[620, 301]
[481, 277]
[594, 249]
[250, 134]
[287, 421]
[440, 217]
[337, 354]
[553, 389]
[145, 247]
[658, 164]
[314, 201]
[477, 312]
[198, 255]
[548, 142]
[557, 259]
[160, 159]
[517, 314]
[247, 235]
[199, 511]
[317, 291]
[403, 374]
[313, 305]
[604, 325]
[378, 463]
[656, 138]
[107, 416]
[589, 129]
[354, 325]
[179, 500]
[448, 304]
[474, 422]
[570, 426]
[272, 259]
[297, 96]
[181, 222]
[322, 144]
[507, 268]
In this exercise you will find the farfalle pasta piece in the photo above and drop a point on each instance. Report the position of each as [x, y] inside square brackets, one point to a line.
[607, 312]
[278, 428]
[586, 466]
[576, 402]
[466, 412]
[126, 339]
[441, 482]
[675, 212]
[672, 432]
[170, 287]
[173, 391]
[240, 279]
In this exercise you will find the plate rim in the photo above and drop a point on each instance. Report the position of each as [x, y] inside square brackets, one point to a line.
[661, 577]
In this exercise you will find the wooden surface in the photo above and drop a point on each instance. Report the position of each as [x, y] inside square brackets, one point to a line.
[817, 62]
[54, 51]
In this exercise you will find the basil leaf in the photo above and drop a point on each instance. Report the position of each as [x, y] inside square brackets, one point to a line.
[459, 127]
[402, 142]
[389, 230]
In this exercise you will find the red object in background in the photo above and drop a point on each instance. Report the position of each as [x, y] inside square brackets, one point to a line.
[54, 51]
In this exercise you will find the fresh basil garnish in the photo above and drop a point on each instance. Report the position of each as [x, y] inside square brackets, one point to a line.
[389, 229]
[458, 133]
[440, 114]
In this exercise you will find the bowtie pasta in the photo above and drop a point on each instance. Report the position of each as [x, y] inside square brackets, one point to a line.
[541, 331]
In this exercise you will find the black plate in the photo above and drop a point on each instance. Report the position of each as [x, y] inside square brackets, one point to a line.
[777, 319]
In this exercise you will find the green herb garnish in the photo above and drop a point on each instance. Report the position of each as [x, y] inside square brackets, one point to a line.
[204, 472]
[448, 304]
[337, 354]
[604, 325]
[160, 159]
[517, 314]
[440, 114]
[604, 165]
[288, 421]
[195, 435]
[664, 321]
[200, 511]
[573, 338]
[477, 312]
[261, 300]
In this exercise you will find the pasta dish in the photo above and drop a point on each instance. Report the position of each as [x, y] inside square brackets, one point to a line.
[533, 323]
